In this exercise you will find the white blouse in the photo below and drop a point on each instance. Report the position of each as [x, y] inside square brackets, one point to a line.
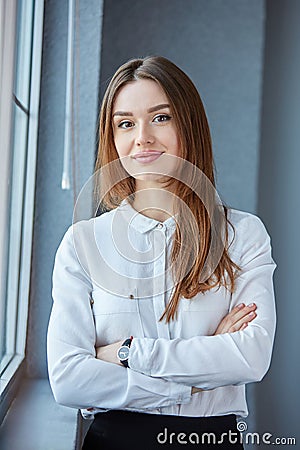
[112, 279]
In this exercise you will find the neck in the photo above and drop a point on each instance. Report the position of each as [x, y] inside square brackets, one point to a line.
[153, 201]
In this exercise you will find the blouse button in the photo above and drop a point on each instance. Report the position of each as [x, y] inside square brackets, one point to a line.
[91, 301]
[160, 225]
[131, 296]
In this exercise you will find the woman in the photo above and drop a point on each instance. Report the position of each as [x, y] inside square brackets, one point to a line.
[163, 306]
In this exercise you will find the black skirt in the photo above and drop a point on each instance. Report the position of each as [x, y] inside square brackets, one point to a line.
[126, 430]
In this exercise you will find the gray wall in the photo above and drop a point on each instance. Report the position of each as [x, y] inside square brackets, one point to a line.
[279, 206]
[220, 45]
[54, 207]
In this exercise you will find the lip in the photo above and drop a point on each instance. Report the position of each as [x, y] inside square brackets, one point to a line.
[147, 157]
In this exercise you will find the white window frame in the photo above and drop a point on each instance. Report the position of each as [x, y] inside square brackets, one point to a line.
[20, 264]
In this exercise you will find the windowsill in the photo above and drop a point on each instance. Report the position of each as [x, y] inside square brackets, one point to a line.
[11, 363]
[36, 422]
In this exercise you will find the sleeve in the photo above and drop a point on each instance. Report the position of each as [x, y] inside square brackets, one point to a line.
[231, 358]
[77, 378]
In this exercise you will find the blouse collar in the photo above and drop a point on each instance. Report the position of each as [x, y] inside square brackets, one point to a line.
[142, 223]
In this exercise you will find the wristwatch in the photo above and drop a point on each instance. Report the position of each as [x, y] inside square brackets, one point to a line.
[123, 351]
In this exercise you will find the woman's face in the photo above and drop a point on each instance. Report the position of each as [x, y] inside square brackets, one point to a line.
[144, 130]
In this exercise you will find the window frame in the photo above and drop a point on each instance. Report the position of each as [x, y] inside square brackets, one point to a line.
[12, 365]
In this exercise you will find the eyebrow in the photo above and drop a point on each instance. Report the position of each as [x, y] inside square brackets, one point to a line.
[152, 109]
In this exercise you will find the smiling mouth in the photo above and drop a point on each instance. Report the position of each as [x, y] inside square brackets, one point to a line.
[147, 157]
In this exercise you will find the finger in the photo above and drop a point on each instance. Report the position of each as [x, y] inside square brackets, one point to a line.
[244, 320]
[239, 312]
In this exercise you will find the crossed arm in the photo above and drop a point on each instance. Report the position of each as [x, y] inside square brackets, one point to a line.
[235, 320]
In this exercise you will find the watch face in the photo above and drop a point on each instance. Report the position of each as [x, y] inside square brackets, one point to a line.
[123, 353]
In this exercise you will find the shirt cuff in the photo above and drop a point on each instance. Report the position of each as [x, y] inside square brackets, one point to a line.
[181, 393]
[140, 355]
[140, 360]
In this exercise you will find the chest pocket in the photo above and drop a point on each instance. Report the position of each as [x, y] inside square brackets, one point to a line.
[115, 317]
[202, 314]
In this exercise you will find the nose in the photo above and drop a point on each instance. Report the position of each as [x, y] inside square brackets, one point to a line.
[144, 135]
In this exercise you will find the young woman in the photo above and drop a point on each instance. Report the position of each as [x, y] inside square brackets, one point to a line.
[163, 306]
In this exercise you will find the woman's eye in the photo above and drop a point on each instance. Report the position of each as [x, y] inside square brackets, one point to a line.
[125, 124]
[161, 118]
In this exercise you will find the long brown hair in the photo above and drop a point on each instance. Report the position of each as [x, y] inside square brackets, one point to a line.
[190, 254]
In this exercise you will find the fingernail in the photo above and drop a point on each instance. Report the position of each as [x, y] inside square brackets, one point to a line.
[250, 305]
[252, 314]
[241, 305]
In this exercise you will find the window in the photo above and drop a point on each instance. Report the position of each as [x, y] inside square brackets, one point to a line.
[21, 23]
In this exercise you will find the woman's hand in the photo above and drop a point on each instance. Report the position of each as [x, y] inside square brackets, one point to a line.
[109, 352]
[237, 319]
